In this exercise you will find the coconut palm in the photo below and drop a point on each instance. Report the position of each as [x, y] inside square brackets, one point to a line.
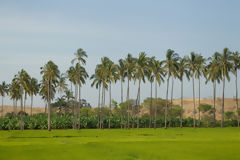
[4, 88]
[50, 74]
[80, 75]
[112, 75]
[33, 89]
[213, 74]
[80, 56]
[22, 80]
[192, 65]
[122, 73]
[182, 71]
[97, 82]
[170, 64]
[61, 85]
[199, 72]
[236, 67]
[139, 74]
[15, 94]
[130, 68]
[225, 64]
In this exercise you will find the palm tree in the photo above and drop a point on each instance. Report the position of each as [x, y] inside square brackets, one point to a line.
[97, 82]
[213, 74]
[159, 74]
[130, 68]
[225, 64]
[192, 65]
[33, 89]
[112, 76]
[15, 94]
[140, 72]
[80, 79]
[199, 71]
[22, 80]
[236, 67]
[170, 64]
[50, 74]
[80, 56]
[122, 72]
[61, 85]
[4, 88]
[182, 70]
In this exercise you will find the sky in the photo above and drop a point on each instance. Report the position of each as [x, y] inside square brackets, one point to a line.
[34, 32]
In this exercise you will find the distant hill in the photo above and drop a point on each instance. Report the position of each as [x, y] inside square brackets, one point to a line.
[230, 105]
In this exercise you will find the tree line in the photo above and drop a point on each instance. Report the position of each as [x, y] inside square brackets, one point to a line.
[141, 69]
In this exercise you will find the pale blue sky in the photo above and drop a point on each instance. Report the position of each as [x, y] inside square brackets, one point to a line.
[33, 32]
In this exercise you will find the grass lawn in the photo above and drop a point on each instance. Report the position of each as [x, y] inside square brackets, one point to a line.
[116, 144]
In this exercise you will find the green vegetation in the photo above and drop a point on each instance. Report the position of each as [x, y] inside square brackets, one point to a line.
[116, 144]
[141, 69]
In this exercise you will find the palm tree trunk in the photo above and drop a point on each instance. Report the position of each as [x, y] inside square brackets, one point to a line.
[237, 98]
[214, 103]
[155, 107]
[150, 111]
[222, 122]
[138, 106]
[75, 108]
[80, 105]
[31, 103]
[99, 92]
[101, 121]
[171, 104]
[25, 97]
[110, 106]
[128, 104]
[194, 105]
[49, 107]
[2, 106]
[199, 114]
[181, 116]
[166, 107]
[121, 91]
[21, 115]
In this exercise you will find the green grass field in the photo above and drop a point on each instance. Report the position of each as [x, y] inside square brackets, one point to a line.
[116, 144]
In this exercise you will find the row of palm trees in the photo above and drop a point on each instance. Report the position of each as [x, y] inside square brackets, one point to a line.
[137, 69]
[214, 69]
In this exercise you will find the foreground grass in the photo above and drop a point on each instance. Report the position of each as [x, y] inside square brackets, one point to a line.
[116, 144]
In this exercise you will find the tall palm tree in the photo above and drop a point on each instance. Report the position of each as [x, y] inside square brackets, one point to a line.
[50, 74]
[15, 94]
[97, 82]
[225, 64]
[159, 74]
[213, 74]
[80, 56]
[122, 72]
[80, 78]
[22, 80]
[4, 88]
[182, 71]
[155, 73]
[192, 65]
[140, 72]
[236, 67]
[199, 71]
[33, 89]
[130, 68]
[170, 64]
[112, 75]
[61, 85]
